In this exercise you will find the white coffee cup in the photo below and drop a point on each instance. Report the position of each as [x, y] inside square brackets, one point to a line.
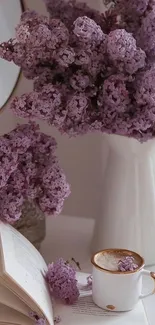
[116, 290]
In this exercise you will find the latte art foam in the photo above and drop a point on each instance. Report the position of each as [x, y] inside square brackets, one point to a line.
[108, 261]
[116, 262]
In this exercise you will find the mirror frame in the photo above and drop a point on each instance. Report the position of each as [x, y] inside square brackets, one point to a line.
[20, 71]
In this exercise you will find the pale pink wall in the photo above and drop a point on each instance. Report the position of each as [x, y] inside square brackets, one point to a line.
[81, 157]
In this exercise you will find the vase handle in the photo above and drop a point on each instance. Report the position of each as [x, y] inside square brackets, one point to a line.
[152, 275]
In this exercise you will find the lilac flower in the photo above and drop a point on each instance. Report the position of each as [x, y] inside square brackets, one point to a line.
[26, 34]
[142, 127]
[36, 41]
[61, 278]
[8, 163]
[82, 57]
[69, 11]
[88, 31]
[54, 189]
[91, 71]
[146, 33]
[127, 264]
[60, 34]
[144, 85]
[11, 202]
[38, 104]
[135, 63]
[120, 45]
[65, 57]
[115, 94]
[29, 170]
[76, 107]
[80, 81]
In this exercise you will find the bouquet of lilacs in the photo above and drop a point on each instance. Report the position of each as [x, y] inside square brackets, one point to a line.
[92, 71]
[29, 171]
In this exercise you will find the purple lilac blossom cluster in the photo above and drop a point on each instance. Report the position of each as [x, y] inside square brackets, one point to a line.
[61, 278]
[91, 71]
[29, 170]
[127, 264]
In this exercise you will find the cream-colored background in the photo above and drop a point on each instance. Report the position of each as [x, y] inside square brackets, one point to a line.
[82, 158]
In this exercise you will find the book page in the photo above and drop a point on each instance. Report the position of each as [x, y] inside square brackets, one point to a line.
[8, 298]
[86, 312]
[12, 317]
[26, 267]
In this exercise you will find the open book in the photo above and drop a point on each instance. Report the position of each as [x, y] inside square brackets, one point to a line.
[23, 290]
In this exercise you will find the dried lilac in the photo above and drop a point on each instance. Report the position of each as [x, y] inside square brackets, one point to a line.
[29, 170]
[127, 264]
[61, 278]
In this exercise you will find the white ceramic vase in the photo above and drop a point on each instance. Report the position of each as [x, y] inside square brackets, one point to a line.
[128, 205]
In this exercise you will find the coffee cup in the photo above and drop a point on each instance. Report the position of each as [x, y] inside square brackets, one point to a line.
[114, 289]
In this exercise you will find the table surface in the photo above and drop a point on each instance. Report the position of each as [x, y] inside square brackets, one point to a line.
[69, 237]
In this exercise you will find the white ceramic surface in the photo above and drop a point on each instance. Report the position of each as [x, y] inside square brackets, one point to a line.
[10, 11]
[128, 198]
[120, 291]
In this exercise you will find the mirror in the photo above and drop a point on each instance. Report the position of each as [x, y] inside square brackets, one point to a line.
[10, 12]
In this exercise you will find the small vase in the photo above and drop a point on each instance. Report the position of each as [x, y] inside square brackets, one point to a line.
[32, 224]
[128, 206]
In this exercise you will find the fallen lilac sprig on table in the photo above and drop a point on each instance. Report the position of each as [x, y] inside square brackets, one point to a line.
[61, 278]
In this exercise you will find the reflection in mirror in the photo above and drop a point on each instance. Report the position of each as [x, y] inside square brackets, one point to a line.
[10, 12]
